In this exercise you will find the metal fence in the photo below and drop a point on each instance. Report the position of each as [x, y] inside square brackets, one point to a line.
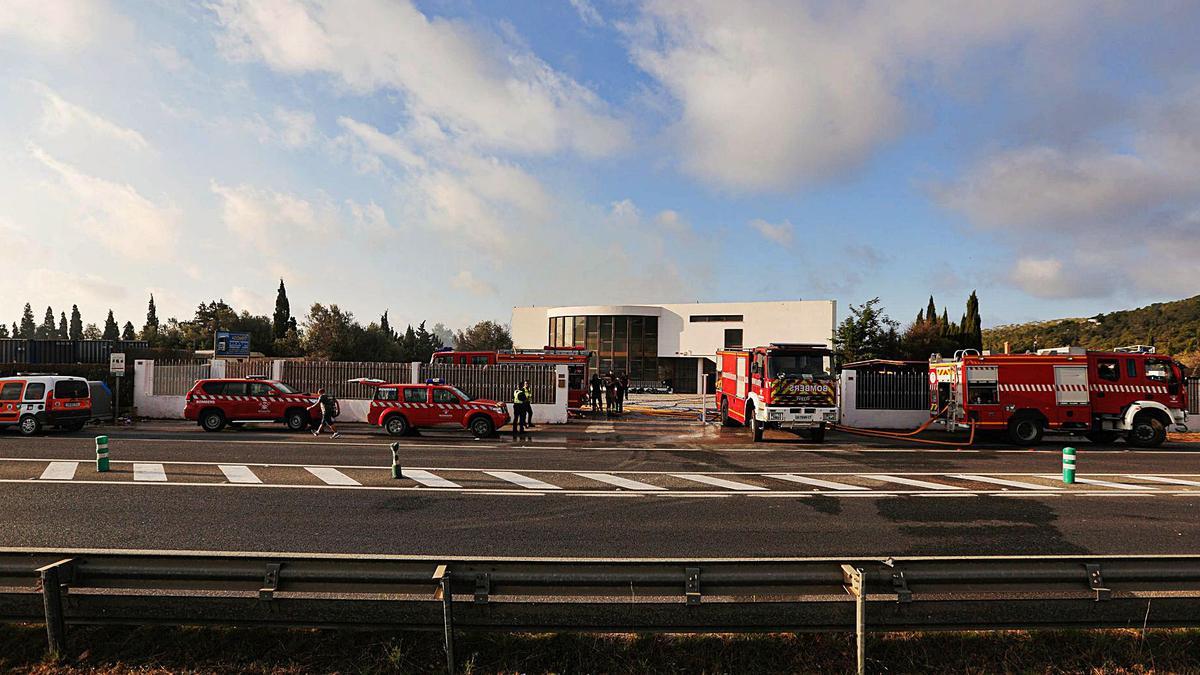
[15, 350]
[77, 587]
[497, 381]
[308, 376]
[249, 368]
[1193, 386]
[891, 390]
[175, 378]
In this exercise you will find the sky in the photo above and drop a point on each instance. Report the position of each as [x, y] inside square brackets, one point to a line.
[445, 160]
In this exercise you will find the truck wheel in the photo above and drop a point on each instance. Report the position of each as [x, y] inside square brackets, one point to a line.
[1146, 432]
[30, 426]
[482, 427]
[1025, 430]
[1101, 437]
[396, 425]
[212, 420]
[817, 434]
[296, 420]
[726, 420]
[756, 427]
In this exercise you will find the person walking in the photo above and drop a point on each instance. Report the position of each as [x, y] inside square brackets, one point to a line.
[520, 400]
[597, 392]
[329, 411]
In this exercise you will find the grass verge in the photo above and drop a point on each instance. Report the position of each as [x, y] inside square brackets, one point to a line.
[115, 650]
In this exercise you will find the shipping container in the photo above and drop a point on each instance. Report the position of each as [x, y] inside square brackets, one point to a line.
[66, 351]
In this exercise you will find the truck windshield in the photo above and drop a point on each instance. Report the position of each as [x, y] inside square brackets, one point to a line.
[284, 388]
[462, 394]
[796, 365]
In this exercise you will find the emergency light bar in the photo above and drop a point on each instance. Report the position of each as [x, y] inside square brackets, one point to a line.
[434, 380]
[369, 381]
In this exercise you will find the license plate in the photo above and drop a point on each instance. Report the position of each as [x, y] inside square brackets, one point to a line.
[72, 405]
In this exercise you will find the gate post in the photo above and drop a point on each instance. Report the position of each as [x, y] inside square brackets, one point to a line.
[50, 579]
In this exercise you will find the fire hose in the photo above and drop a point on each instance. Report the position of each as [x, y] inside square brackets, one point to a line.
[908, 435]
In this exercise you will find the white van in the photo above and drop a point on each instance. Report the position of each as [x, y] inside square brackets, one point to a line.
[32, 402]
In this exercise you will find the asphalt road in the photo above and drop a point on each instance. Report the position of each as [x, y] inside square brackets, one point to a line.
[648, 488]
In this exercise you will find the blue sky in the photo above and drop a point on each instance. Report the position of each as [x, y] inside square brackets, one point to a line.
[448, 159]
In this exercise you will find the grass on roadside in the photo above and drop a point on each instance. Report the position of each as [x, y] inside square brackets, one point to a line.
[116, 650]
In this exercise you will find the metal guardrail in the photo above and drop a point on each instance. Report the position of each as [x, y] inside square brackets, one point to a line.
[75, 587]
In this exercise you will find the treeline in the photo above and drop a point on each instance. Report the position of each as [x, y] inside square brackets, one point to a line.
[326, 332]
[869, 333]
[1169, 327]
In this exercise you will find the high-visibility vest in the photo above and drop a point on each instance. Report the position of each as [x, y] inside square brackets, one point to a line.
[518, 394]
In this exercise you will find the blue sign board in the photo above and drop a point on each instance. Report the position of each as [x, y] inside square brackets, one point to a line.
[231, 344]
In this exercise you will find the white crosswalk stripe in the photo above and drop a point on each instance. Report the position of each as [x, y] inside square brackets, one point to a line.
[831, 485]
[1004, 481]
[620, 482]
[60, 471]
[522, 480]
[1105, 483]
[910, 481]
[1163, 479]
[331, 476]
[599, 429]
[719, 482]
[428, 479]
[154, 473]
[236, 473]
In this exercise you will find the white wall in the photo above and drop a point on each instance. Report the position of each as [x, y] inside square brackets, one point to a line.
[905, 420]
[763, 323]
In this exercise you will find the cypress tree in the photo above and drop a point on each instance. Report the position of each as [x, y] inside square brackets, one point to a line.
[15, 332]
[127, 333]
[973, 324]
[63, 333]
[111, 332]
[150, 330]
[931, 310]
[282, 319]
[28, 327]
[385, 326]
[76, 331]
[47, 330]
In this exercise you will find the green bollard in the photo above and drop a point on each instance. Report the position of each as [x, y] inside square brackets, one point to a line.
[397, 472]
[102, 453]
[1069, 465]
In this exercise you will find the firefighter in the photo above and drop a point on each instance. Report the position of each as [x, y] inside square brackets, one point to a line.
[520, 400]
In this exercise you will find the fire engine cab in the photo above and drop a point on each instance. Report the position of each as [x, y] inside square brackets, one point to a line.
[1135, 394]
[781, 386]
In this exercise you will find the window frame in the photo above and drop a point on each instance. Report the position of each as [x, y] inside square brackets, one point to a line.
[1116, 369]
[423, 391]
[19, 384]
[29, 387]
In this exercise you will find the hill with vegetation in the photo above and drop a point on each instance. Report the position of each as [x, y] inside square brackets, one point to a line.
[1171, 327]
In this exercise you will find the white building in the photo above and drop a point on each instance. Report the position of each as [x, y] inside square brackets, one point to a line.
[671, 343]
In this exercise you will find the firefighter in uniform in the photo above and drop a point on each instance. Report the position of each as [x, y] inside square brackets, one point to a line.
[520, 402]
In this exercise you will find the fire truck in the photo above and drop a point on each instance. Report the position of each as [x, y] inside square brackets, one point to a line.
[780, 386]
[576, 359]
[1134, 394]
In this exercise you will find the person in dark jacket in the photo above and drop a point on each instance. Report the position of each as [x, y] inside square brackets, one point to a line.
[597, 391]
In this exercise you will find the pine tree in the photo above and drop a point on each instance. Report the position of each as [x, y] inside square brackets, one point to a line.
[28, 327]
[63, 333]
[3, 331]
[47, 330]
[111, 332]
[282, 319]
[76, 331]
[150, 329]
[127, 333]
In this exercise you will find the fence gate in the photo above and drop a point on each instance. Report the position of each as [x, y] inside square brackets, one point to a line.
[1193, 386]
[175, 378]
[891, 390]
[497, 381]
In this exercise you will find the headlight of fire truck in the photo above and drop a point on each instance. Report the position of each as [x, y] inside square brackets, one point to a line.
[831, 416]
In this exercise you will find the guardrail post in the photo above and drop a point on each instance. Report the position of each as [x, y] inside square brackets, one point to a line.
[855, 581]
[442, 574]
[56, 625]
[1069, 465]
[102, 453]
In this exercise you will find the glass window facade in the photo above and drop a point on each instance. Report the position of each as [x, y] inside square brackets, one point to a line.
[622, 344]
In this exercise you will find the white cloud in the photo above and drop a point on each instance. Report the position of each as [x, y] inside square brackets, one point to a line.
[114, 214]
[494, 93]
[1049, 277]
[780, 233]
[295, 128]
[587, 13]
[671, 221]
[57, 26]
[60, 116]
[266, 218]
[774, 94]
[466, 281]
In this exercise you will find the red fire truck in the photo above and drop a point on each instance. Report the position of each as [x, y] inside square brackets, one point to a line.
[1137, 395]
[576, 359]
[781, 386]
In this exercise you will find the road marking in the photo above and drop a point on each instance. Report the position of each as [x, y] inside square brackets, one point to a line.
[719, 482]
[523, 481]
[599, 429]
[1162, 479]
[150, 472]
[909, 481]
[331, 476]
[1004, 481]
[425, 478]
[1105, 483]
[816, 481]
[60, 471]
[237, 473]
[620, 482]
